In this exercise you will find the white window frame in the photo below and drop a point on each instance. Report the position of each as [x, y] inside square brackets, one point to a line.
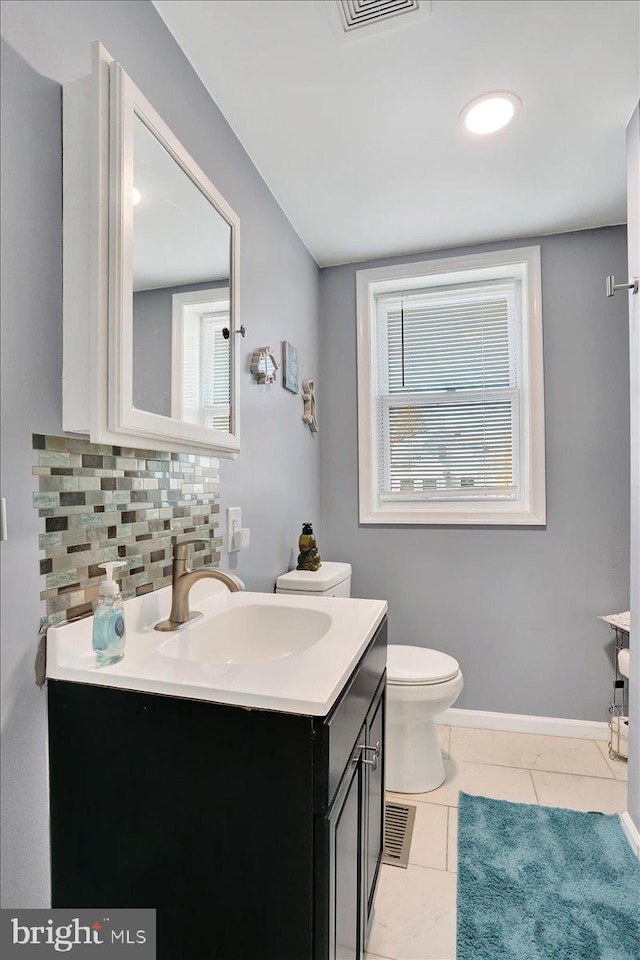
[191, 306]
[530, 508]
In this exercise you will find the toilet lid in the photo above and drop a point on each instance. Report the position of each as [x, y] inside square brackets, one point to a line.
[407, 664]
[329, 574]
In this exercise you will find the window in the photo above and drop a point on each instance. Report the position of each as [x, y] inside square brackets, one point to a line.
[450, 391]
[214, 371]
[201, 372]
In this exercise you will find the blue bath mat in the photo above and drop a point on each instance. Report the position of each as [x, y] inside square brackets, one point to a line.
[539, 883]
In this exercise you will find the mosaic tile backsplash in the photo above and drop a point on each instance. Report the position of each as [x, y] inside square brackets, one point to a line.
[114, 503]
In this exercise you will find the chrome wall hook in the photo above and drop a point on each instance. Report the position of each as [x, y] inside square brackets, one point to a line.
[611, 286]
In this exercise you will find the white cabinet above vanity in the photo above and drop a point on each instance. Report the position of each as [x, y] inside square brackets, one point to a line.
[150, 281]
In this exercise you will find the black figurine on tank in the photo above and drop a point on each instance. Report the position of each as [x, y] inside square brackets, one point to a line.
[308, 558]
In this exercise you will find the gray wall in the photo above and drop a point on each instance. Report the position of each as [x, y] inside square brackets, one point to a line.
[31, 357]
[277, 477]
[516, 607]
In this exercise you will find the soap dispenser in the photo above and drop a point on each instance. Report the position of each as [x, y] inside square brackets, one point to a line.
[108, 619]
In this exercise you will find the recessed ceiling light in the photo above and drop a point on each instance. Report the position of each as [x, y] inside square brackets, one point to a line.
[136, 197]
[490, 112]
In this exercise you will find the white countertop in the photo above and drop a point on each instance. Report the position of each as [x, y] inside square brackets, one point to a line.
[308, 682]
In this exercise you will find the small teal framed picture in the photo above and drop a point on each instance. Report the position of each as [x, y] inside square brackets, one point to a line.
[289, 367]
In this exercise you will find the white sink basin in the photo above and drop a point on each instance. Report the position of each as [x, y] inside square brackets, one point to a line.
[265, 650]
[250, 634]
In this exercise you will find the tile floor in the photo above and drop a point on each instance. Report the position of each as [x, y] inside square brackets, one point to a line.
[415, 909]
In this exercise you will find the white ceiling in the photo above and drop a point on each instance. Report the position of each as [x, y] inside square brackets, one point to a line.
[360, 141]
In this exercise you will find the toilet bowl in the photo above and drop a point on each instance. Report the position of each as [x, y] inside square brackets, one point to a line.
[421, 684]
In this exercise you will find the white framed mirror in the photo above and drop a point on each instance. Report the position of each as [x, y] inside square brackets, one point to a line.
[151, 257]
[173, 279]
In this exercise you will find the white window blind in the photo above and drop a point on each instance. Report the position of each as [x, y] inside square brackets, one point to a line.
[215, 372]
[206, 373]
[451, 391]
[447, 397]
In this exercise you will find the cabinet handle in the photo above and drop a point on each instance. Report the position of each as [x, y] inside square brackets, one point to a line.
[611, 286]
[226, 333]
[376, 754]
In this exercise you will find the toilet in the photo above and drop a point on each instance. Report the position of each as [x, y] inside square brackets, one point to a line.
[331, 580]
[421, 684]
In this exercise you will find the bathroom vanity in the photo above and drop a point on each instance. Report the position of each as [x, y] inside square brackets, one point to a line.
[254, 831]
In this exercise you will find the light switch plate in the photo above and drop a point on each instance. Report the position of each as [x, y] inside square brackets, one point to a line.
[234, 522]
[241, 538]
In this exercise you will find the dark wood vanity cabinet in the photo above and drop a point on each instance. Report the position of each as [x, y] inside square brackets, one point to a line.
[354, 823]
[253, 833]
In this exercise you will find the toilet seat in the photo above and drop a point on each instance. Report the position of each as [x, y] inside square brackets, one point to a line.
[419, 666]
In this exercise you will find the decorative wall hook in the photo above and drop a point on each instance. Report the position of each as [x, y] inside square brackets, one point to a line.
[310, 416]
[264, 365]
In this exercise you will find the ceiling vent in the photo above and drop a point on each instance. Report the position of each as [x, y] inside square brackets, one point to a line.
[361, 17]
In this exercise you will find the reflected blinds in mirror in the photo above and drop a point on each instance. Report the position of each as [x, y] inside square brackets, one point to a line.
[447, 397]
[215, 373]
[206, 371]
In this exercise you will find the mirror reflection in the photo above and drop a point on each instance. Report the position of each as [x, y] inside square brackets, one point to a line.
[181, 253]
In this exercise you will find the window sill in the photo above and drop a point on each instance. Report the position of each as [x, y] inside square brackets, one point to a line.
[516, 515]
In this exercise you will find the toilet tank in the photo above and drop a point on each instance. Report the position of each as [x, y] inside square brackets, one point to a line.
[331, 580]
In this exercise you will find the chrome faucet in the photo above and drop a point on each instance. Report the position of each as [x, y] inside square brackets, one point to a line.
[183, 579]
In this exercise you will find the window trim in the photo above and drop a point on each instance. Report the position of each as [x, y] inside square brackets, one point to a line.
[530, 509]
[179, 303]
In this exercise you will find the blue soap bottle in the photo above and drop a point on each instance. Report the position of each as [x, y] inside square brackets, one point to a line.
[109, 633]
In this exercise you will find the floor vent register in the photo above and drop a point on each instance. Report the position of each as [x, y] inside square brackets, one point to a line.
[398, 831]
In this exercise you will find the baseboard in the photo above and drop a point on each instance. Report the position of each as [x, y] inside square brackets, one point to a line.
[631, 832]
[523, 723]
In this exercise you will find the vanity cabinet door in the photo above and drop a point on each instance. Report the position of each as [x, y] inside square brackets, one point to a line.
[346, 833]
[374, 797]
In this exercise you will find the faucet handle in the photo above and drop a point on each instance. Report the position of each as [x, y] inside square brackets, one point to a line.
[181, 550]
